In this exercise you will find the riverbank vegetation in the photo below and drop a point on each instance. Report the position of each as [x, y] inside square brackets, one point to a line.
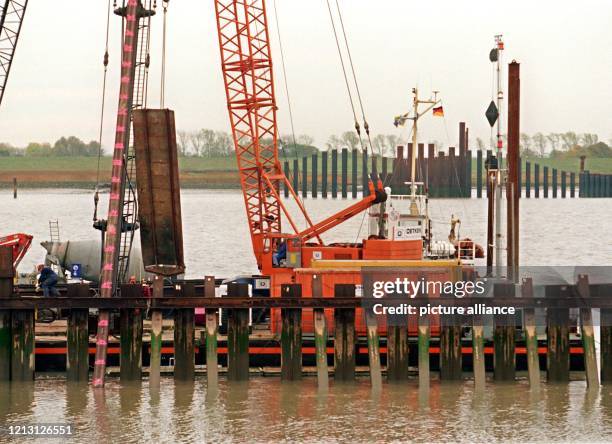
[207, 157]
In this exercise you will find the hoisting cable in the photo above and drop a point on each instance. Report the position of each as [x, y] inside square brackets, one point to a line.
[147, 63]
[105, 63]
[348, 88]
[162, 99]
[289, 107]
[366, 126]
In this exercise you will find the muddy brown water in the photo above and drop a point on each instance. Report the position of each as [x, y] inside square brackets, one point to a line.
[266, 410]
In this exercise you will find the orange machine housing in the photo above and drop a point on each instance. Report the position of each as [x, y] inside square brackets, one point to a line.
[382, 251]
[331, 277]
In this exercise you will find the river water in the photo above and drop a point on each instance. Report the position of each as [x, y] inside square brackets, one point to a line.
[266, 410]
[217, 242]
[553, 232]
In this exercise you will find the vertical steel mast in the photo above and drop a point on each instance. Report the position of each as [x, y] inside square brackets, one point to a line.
[500, 145]
[116, 199]
[11, 19]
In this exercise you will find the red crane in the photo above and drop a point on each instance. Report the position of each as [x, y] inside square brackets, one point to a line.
[11, 19]
[249, 85]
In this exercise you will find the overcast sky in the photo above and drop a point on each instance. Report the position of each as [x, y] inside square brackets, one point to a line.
[564, 47]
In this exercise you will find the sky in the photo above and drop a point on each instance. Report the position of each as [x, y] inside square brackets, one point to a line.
[564, 48]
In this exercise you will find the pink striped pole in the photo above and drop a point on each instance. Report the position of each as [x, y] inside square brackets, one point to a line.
[115, 204]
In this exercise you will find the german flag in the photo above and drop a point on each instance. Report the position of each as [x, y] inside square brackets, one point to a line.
[438, 111]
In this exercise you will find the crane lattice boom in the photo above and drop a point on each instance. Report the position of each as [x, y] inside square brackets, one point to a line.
[11, 19]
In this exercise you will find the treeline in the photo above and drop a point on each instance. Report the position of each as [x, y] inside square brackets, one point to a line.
[210, 143]
[384, 144]
[64, 146]
[559, 145]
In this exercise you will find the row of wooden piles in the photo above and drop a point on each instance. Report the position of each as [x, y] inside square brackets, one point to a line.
[17, 341]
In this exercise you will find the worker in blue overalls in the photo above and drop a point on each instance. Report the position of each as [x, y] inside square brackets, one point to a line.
[280, 254]
[47, 281]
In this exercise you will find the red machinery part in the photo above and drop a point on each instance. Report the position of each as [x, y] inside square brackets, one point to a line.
[21, 244]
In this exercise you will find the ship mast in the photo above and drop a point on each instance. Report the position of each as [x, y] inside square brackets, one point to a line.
[415, 118]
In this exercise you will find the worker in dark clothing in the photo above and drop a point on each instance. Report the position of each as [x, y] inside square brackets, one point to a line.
[47, 281]
[280, 254]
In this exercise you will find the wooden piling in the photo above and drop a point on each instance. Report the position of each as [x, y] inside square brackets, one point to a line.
[296, 176]
[344, 173]
[606, 345]
[14, 188]
[468, 174]
[420, 170]
[397, 347]
[324, 174]
[212, 331]
[430, 176]
[344, 338]
[572, 184]
[374, 167]
[453, 181]
[478, 356]
[527, 179]
[373, 348]
[334, 173]
[156, 335]
[479, 174]
[131, 337]
[545, 181]
[557, 338]
[536, 180]
[314, 178]
[423, 351]
[6, 291]
[554, 183]
[184, 338]
[563, 184]
[384, 170]
[354, 173]
[77, 337]
[238, 335]
[5, 345]
[287, 175]
[504, 358]
[588, 334]
[520, 177]
[450, 349]
[320, 332]
[364, 174]
[513, 188]
[531, 336]
[291, 336]
[22, 353]
[304, 176]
